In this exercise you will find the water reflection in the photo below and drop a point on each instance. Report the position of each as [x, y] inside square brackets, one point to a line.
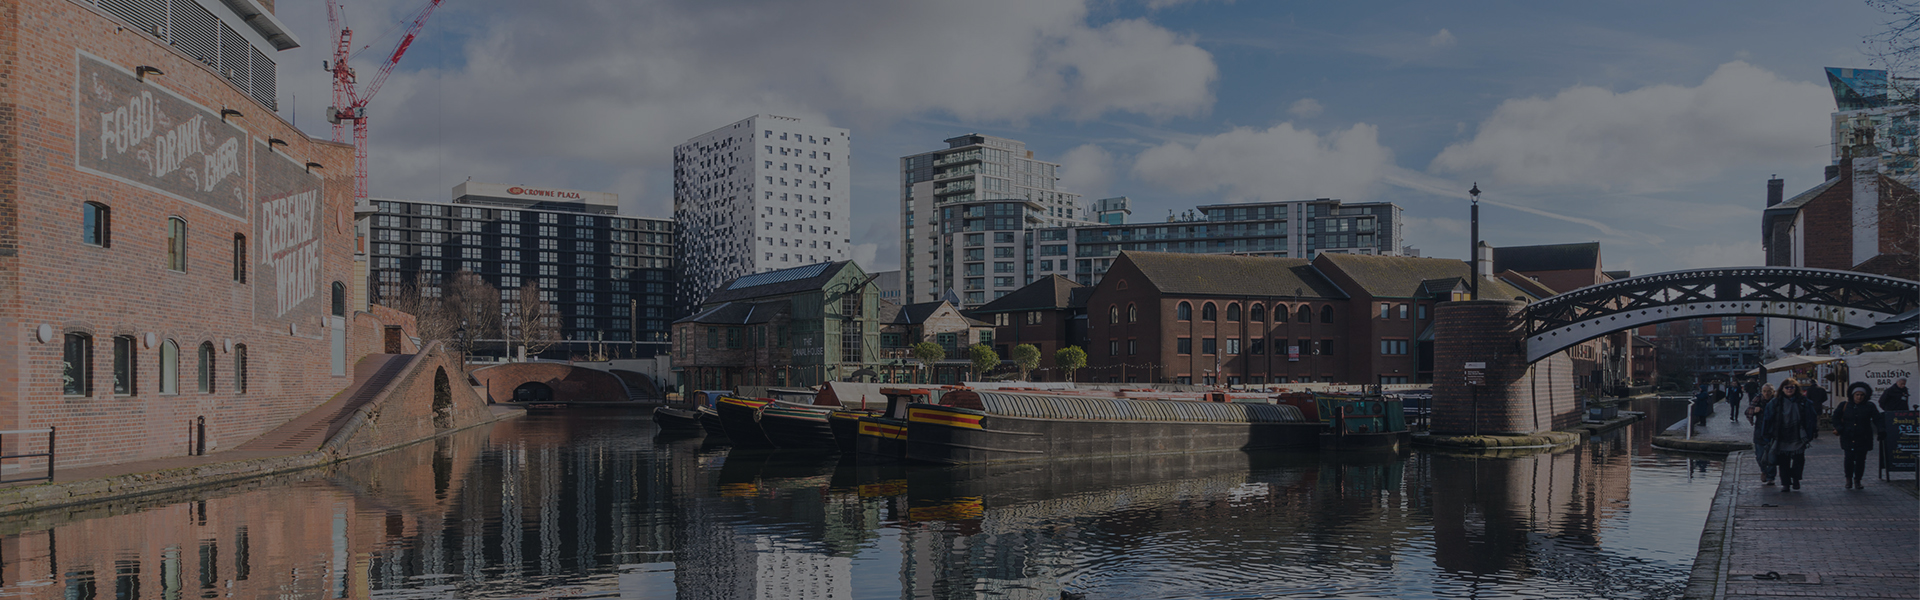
[589, 505]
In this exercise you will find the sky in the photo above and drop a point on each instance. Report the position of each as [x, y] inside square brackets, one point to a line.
[1650, 127]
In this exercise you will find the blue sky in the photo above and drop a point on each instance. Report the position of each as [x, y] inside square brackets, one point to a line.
[1650, 127]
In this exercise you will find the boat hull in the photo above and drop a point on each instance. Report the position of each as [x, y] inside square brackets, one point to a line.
[846, 430]
[882, 439]
[1386, 441]
[797, 426]
[741, 418]
[953, 435]
[710, 422]
[677, 419]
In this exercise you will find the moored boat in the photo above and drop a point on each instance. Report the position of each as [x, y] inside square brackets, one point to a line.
[703, 401]
[969, 427]
[884, 436]
[741, 418]
[1354, 422]
[797, 426]
[677, 418]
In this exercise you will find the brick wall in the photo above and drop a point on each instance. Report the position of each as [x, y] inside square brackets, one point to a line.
[49, 277]
[368, 332]
[569, 383]
[1516, 398]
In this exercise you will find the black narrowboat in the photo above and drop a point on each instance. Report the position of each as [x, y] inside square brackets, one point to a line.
[797, 425]
[972, 427]
[741, 418]
[883, 436]
[678, 418]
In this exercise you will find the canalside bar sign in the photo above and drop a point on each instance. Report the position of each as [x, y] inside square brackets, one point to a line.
[138, 133]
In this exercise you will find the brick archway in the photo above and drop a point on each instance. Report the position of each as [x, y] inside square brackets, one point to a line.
[567, 382]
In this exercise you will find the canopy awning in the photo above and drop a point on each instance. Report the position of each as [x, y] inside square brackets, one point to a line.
[1794, 362]
[1903, 327]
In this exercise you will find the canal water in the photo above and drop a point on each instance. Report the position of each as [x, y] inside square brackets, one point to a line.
[600, 505]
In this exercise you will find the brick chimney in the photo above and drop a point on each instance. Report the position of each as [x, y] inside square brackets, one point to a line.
[1776, 190]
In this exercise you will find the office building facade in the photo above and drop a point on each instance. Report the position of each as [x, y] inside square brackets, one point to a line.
[609, 276]
[762, 194]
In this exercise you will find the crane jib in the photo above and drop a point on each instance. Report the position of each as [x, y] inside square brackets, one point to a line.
[408, 41]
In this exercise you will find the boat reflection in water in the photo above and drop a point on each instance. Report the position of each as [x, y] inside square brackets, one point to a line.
[593, 505]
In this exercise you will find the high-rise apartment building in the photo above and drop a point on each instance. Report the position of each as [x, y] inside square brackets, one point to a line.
[762, 194]
[1289, 229]
[609, 276]
[978, 187]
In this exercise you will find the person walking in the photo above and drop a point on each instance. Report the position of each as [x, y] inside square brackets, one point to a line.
[1816, 393]
[1735, 397]
[1854, 422]
[1767, 468]
[1702, 407]
[1896, 396]
[1788, 424]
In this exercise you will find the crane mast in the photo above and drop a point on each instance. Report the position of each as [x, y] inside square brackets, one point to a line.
[349, 104]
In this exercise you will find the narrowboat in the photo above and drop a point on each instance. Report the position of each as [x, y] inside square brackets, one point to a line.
[741, 418]
[678, 418]
[797, 425]
[972, 427]
[1353, 422]
[883, 436]
[703, 402]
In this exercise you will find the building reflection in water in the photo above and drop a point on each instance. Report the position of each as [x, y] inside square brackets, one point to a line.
[583, 506]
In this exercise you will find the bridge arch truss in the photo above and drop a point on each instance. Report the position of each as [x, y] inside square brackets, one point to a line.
[1822, 295]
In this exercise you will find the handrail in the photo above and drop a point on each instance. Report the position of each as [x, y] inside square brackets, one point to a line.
[51, 437]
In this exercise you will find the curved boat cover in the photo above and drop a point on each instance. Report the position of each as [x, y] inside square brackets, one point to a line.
[1038, 406]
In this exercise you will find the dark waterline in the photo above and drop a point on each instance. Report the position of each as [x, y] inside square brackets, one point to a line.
[598, 505]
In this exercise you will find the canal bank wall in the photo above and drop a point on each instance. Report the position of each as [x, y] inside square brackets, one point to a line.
[427, 399]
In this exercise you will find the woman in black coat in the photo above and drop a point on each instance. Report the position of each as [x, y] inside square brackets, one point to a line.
[1787, 425]
[1854, 421]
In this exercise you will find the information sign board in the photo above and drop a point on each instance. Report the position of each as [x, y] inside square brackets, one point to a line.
[1902, 443]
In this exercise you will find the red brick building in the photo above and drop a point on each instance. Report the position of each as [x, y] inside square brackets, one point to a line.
[1602, 364]
[172, 252]
[1213, 319]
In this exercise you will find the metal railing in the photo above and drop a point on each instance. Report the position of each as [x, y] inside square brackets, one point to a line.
[48, 454]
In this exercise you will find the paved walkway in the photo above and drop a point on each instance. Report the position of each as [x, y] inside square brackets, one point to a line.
[1824, 541]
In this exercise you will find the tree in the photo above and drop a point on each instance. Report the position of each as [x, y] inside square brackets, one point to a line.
[532, 323]
[1026, 356]
[984, 359]
[463, 309]
[1070, 358]
[929, 354]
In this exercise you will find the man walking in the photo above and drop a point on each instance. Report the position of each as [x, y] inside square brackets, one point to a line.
[1896, 397]
[1735, 395]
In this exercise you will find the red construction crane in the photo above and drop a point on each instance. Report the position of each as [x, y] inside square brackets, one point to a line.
[351, 106]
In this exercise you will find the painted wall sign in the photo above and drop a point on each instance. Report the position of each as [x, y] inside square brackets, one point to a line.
[287, 237]
[133, 131]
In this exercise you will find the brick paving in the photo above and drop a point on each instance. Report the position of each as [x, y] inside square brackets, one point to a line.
[1824, 540]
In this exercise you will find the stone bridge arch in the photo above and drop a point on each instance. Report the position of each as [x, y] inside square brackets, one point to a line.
[1821, 295]
[568, 383]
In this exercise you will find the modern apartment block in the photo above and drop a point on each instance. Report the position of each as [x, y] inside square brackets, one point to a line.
[953, 200]
[1290, 229]
[762, 194]
[609, 276]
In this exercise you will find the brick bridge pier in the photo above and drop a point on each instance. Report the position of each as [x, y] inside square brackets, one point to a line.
[1513, 397]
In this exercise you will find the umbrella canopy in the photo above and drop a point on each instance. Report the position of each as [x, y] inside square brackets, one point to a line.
[1902, 327]
[1794, 362]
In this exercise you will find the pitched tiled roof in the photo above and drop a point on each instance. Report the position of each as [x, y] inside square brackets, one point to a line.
[1227, 275]
[1549, 257]
[888, 311]
[1617, 275]
[1052, 292]
[736, 313]
[1392, 276]
[918, 313]
[777, 283]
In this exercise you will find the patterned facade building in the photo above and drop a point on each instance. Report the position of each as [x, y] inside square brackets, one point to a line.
[800, 326]
[174, 256]
[762, 194]
[611, 277]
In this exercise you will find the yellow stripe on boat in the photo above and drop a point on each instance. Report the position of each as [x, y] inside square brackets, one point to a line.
[941, 417]
[883, 430]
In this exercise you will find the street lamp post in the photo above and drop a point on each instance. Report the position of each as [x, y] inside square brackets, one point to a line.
[461, 334]
[1473, 279]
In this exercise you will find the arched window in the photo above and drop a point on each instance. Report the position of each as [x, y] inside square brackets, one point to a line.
[240, 258]
[1280, 313]
[1209, 312]
[1133, 313]
[1113, 314]
[1233, 312]
[1326, 314]
[239, 368]
[1185, 312]
[76, 365]
[1306, 314]
[96, 224]
[126, 367]
[339, 299]
[206, 367]
[169, 367]
[1259, 313]
[176, 243]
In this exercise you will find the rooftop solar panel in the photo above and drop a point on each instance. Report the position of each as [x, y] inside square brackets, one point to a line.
[781, 276]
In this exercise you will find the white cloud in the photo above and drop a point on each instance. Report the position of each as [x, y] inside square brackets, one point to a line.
[1160, 4]
[1087, 170]
[593, 90]
[1278, 163]
[1306, 108]
[1646, 139]
[1719, 255]
[1444, 39]
[865, 255]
